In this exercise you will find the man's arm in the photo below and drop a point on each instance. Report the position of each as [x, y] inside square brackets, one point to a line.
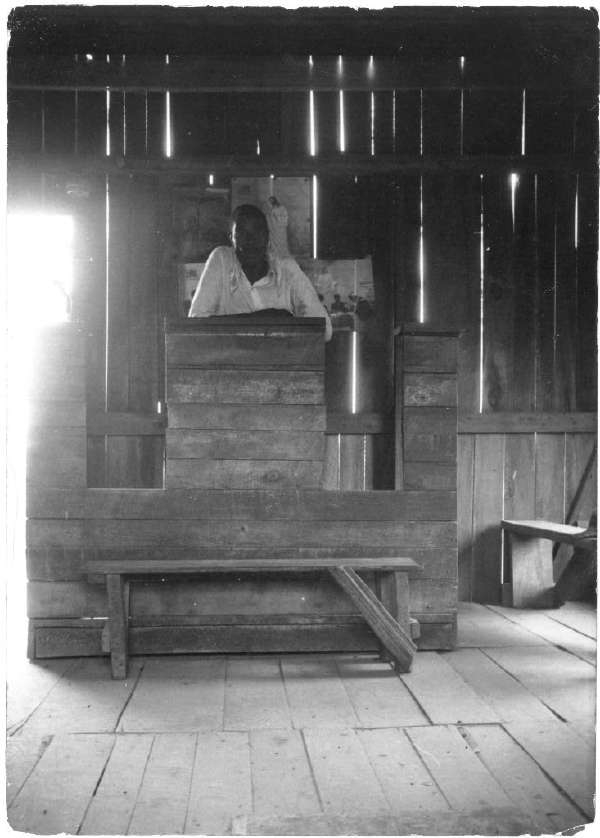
[207, 297]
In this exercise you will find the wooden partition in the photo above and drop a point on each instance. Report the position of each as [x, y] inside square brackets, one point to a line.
[245, 402]
[269, 511]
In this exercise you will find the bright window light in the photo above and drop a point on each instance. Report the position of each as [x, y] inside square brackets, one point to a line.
[315, 218]
[311, 114]
[342, 122]
[39, 281]
[40, 267]
[168, 133]
[108, 122]
[421, 257]
[514, 182]
[372, 124]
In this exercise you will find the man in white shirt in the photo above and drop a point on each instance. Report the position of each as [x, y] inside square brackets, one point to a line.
[246, 278]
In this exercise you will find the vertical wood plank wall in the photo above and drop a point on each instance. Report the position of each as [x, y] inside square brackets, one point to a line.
[480, 214]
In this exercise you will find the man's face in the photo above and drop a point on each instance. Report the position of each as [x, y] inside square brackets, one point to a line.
[250, 239]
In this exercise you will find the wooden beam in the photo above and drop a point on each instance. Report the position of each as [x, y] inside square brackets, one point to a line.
[518, 423]
[300, 166]
[282, 73]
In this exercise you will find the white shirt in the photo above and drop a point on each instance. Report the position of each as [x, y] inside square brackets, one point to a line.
[225, 289]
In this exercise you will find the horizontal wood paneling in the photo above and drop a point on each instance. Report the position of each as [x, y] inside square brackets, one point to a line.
[429, 435]
[434, 476]
[506, 422]
[251, 386]
[243, 474]
[231, 505]
[69, 638]
[276, 349]
[429, 354]
[123, 534]
[62, 565]
[429, 390]
[244, 445]
[269, 417]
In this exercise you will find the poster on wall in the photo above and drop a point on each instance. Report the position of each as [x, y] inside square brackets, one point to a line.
[200, 222]
[292, 194]
[345, 287]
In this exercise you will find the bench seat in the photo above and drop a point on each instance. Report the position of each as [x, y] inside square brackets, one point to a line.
[528, 554]
[387, 613]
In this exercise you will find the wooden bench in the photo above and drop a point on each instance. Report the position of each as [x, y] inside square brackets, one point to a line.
[528, 555]
[387, 613]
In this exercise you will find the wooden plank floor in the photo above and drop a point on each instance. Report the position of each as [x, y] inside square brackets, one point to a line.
[494, 738]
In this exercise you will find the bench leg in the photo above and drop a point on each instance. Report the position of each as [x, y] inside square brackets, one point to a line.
[118, 615]
[532, 582]
[393, 593]
[390, 632]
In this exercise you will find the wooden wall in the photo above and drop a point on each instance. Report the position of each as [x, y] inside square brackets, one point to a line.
[471, 179]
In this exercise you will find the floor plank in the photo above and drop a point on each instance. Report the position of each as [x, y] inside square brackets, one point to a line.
[563, 755]
[177, 694]
[28, 684]
[444, 696]
[462, 778]
[254, 695]
[563, 682]
[56, 795]
[162, 801]
[542, 624]
[406, 783]
[221, 783]
[113, 803]
[501, 691]
[522, 779]
[282, 781]
[496, 822]
[579, 616]
[325, 824]
[85, 700]
[22, 755]
[378, 696]
[316, 694]
[479, 626]
[345, 780]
